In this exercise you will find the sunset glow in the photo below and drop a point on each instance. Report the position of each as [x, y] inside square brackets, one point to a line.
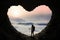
[20, 12]
[16, 11]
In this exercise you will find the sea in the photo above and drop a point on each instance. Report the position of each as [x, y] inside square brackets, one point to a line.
[26, 29]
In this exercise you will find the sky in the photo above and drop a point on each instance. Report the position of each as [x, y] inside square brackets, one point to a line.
[17, 14]
[41, 13]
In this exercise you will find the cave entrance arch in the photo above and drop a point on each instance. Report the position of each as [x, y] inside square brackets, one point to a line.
[22, 19]
[7, 24]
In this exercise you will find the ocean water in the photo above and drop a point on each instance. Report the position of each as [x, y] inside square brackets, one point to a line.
[26, 29]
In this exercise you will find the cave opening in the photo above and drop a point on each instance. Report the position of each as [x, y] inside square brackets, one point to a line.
[22, 19]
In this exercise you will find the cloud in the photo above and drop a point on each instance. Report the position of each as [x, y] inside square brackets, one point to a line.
[39, 14]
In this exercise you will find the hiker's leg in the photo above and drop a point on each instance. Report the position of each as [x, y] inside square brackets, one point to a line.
[31, 33]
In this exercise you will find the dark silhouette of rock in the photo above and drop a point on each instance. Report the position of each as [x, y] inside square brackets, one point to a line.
[8, 32]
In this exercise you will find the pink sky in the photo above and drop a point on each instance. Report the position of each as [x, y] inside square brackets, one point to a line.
[22, 13]
[43, 9]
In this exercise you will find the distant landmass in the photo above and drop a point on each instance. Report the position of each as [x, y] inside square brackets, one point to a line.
[42, 24]
[33, 23]
[26, 23]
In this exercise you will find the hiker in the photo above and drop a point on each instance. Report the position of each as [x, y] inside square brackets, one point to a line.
[32, 30]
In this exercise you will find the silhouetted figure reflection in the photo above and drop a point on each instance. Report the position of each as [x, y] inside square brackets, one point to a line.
[32, 30]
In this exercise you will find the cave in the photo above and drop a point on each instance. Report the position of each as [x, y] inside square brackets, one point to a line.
[8, 32]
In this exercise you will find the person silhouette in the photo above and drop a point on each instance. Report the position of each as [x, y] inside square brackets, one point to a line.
[32, 30]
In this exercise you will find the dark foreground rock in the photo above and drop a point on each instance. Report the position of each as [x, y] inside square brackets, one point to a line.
[8, 32]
